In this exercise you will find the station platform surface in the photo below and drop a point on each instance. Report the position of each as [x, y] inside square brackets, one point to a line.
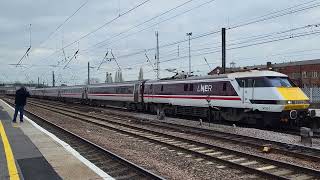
[29, 152]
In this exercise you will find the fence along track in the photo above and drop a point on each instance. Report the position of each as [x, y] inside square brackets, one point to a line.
[313, 94]
[246, 162]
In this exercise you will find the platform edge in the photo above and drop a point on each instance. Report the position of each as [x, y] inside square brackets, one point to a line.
[66, 146]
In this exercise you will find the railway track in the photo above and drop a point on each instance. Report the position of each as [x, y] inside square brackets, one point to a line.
[246, 162]
[297, 151]
[296, 132]
[112, 164]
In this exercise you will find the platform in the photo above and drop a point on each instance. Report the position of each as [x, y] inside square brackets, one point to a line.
[29, 152]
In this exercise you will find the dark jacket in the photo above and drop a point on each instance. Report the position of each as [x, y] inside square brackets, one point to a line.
[21, 97]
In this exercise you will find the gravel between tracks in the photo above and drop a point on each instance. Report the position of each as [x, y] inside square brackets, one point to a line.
[150, 156]
[251, 132]
[246, 149]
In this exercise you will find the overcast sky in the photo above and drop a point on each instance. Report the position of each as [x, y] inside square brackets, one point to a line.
[197, 16]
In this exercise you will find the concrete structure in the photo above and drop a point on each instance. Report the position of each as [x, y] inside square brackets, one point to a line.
[302, 73]
[29, 152]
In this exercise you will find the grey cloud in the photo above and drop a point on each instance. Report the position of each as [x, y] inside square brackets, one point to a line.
[46, 15]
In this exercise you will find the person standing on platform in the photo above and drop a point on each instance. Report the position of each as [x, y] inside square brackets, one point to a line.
[20, 101]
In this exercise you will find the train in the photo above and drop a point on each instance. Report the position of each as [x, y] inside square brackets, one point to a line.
[262, 98]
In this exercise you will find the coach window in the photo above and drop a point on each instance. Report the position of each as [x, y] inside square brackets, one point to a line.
[150, 88]
[161, 87]
[130, 90]
[224, 87]
[186, 87]
[191, 87]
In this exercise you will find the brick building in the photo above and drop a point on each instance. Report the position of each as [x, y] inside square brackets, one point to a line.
[302, 73]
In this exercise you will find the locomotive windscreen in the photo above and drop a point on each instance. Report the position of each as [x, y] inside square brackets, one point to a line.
[280, 82]
[270, 81]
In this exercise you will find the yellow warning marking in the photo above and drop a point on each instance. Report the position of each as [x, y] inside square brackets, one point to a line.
[296, 106]
[12, 168]
[293, 93]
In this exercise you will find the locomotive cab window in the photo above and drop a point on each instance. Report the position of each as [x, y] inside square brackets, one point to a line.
[250, 83]
[265, 82]
[240, 82]
[281, 82]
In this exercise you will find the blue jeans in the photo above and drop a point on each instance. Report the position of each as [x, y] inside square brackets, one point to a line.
[18, 109]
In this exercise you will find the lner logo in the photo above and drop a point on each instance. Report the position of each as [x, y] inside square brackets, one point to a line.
[204, 88]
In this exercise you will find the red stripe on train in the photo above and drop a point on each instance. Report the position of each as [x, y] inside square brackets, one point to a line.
[195, 97]
[71, 94]
[122, 95]
[173, 96]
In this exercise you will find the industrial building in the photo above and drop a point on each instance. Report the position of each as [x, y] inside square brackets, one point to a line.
[304, 73]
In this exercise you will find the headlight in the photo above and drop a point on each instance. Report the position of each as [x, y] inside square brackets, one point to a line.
[298, 102]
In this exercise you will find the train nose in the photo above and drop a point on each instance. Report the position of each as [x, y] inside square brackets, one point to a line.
[293, 114]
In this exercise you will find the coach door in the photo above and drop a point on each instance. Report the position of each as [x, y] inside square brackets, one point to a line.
[248, 90]
[85, 93]
[136, 92]
[141, 91]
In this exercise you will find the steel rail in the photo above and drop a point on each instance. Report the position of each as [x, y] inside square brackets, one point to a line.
[137, 132]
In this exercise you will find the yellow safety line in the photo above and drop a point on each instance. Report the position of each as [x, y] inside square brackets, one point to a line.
[12, 168]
